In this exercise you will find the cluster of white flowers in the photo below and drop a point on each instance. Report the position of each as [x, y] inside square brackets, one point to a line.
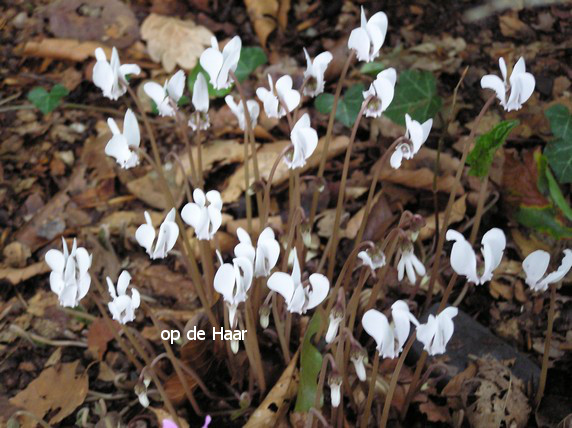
[70, 278]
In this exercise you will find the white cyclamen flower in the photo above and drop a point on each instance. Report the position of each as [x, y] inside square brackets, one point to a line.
[416, 134]
[368, 39]
[264, 256]
[205, 219]
[410, 264]
[233, 281]
[377, 326]
[200, 118]
[277, 97]
[437, 331]
[110, 77]
[373, 260]
[536, 264]
[314, 73]
[464, 259]
[381, 90]
[305, 140]
[298, 298]
[521, 85]
[70, 278]
[166, 97]
[219, 64]
[334, 320]
[358, 357]
[238, 111]
[122, 307]
[123, 145]
[168, 233]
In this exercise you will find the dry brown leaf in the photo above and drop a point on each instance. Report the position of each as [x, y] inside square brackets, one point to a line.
[284, 389]
[58, 390]
[263, 15]
[527, 244]
[167, 283]
[273, 221]
[499, 289]
[512, 26]
[163, 415]
[354, 223]
[17, 275]
[173, 41]
[98, 336]
[457, 214]
[63, 49]
[267, 156]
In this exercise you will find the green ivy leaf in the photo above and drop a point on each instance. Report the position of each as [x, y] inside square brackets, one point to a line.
[372, 68]
[416, 94]
[544, 220]
[46, 101]
[250, 58]
[310, 366]
[348, 106]
[547, 184]
[559, 151]
[481, 157]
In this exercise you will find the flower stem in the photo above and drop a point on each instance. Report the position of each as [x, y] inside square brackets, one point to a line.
[321, 379]
[280, 330]
[448, 210]
[329, 130]
[373, 185]
[393, 382]
[342, 190]
[371, 391]
[252, 343]
[266, 207]
[192, 263]
[547, 340]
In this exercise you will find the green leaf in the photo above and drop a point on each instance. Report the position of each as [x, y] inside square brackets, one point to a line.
[548, 184]
[250, 58]
[372, 68]
[559, 151]
[544, 220]
[416, 94]
[310, 366]
[46, 101]
[348, 106]
[481, 157]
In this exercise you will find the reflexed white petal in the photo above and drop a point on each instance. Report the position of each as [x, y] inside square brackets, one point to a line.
[333, 326]
[463, 258]
[155, 91]
[111, 288]
[135, 298]
[359, 41]
[290, 97]
[320, 289]
[426, 128]
[519, 67]
[426, 333]
[131, 129]
[129, 69]
[502, 66]
[376, 325]
[224, 281]
[103, 76]
[196, 217]
[490, 81]
[298, 301]
[494, 243]
[282, 284]
[211, 60]
[176, 85]
[113, 126]
[562, 270]
[55, 260]
[215, 219]
[57, 282]
[145, 235]
[244, 271]
[396, 158]
[335, 394]
[123, 282]
[201, 94]
[83, 260]
[199, 197]
[213, 196]
[296, 273]
[535, 266]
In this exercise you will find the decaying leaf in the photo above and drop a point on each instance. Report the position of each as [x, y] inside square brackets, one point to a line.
[58, 390]
[109, 21]
[173, 41]
[284, 390]
[263, 15]
[16, 275]
[267, 155]
[495, 397]
[457, 214]
[98, 336]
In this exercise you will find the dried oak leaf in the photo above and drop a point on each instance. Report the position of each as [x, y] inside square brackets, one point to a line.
[109, 21]
[50, 392]
[173, 41]
[494, 397]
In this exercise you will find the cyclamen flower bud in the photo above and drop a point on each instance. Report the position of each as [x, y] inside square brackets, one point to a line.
[358, 357]
[336, 317]
[234, 346]
[335, 384]
[264, 313]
